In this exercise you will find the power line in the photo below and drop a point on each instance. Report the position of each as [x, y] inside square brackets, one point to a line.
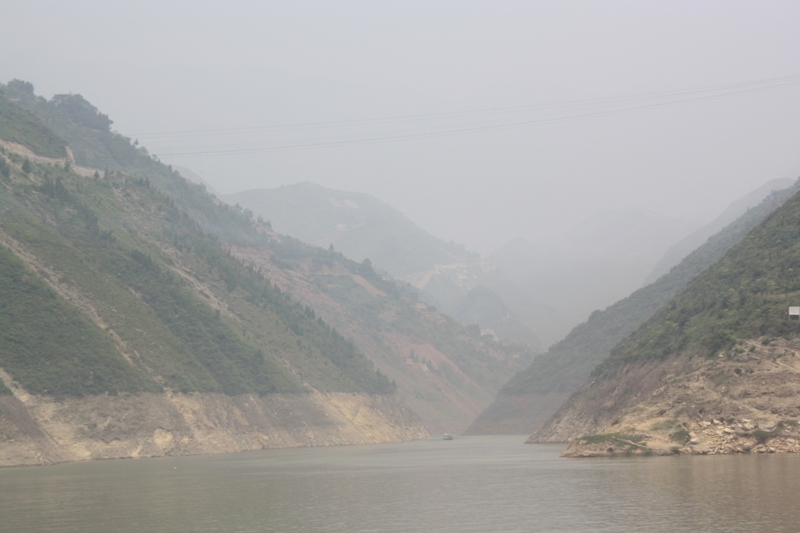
[463, 122]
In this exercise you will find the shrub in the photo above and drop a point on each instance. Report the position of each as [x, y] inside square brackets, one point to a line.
[681, 437]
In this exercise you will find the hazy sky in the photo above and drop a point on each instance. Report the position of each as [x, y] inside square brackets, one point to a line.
[481, 121]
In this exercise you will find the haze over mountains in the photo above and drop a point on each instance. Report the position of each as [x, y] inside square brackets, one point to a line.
[715, 370]
[179, 300]
[523, 292]
[362, 227]
[529, 399]
[358, 225]
[676, 253]
[586, 267]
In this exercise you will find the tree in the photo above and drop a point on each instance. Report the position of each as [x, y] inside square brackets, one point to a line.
[79, 110]
[21, 86]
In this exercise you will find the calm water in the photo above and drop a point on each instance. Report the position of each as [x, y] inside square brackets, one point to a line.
[479, 484]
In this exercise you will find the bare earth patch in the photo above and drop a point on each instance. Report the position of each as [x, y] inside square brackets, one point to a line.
[745, 400]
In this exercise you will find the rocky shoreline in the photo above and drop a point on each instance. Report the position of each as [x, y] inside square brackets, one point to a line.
[743, 400]
[715, 437]
[38, 430]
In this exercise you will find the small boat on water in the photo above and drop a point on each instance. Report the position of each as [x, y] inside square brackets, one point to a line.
[448, 436]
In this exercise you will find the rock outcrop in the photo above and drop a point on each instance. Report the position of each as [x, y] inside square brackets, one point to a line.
[42, 430]
[743, 400]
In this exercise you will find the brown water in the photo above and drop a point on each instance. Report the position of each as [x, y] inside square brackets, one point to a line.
[479, 484]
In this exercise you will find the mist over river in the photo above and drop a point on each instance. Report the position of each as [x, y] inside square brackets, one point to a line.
[478, 484]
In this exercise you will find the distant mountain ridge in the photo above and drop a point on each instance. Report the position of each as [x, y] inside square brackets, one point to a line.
[680, 250]
[356, 224]
[362, 227]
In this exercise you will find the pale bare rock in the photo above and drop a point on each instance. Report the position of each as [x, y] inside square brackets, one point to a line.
[26, 152]
[746, 400]
[41, 430]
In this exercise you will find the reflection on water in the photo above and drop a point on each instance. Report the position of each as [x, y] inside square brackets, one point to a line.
[476, 484]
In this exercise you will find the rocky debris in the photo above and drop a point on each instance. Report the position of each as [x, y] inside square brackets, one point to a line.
[745, 400]
[41, 430]
[701, 438]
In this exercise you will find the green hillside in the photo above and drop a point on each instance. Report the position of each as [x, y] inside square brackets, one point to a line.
[50, 347]
[171, 308]
[88, 134]
[25, 128]
[552, 377]
[745, 295]
[195, 295]
[722, 349]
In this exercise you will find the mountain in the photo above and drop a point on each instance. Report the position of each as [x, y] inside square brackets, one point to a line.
[583, 268]
[715, 370]
[25, 130]
[545, 288]
[698, 237]
[526, 402]
[192, 176]
[141, 316]
[363, 227]
[358, 225]
[483, 306]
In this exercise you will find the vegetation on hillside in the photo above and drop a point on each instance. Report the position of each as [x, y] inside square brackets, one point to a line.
[128, 251]
[745, 295]
[50, 347]
[25, 128]
[88, 134]
[156, 263]
[399, 312]
[569, 362]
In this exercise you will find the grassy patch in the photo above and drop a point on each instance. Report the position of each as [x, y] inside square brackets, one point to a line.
[664, 425]
[115, 240]
[614, 438]
[626, 443]
[762, 436]
[20, 126]
[681, 437]
[50, 347]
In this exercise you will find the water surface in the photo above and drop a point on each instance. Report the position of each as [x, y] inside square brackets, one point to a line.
[479, 484]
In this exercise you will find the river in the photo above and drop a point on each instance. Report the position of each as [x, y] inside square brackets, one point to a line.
[470, 484]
